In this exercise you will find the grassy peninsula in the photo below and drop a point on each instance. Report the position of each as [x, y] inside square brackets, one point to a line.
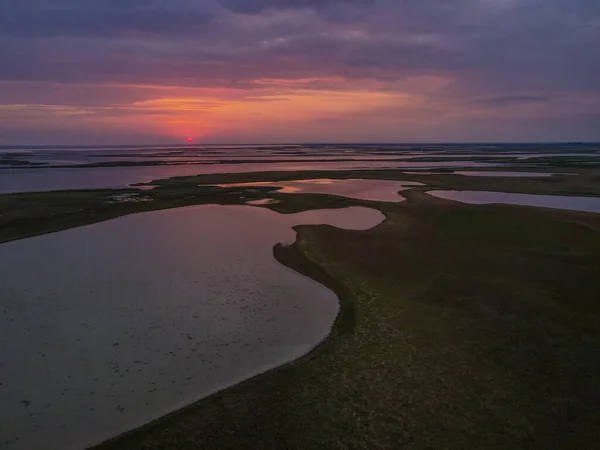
[461, 326]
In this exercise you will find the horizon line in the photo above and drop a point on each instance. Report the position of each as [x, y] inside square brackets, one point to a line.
[192, 145]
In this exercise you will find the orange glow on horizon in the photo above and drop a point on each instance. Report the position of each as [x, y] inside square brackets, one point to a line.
[292, 109]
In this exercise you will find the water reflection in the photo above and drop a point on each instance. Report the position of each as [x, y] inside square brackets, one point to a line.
[588, 204]
[263, 201]
[32, 180]
[504, 174]
[373, 190]
[147, 313]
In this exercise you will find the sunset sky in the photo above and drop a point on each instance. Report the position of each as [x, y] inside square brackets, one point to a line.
[249, 71]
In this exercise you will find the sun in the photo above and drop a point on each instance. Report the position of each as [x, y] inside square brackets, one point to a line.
[189, 140]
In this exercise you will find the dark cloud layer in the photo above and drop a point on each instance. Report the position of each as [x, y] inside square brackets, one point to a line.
[527, 38]
[494, 53]
[258, 6]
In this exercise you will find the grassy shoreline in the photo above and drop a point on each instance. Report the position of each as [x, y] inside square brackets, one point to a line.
[292, 258]
[419, 359]
[32, 213]
[461, 326]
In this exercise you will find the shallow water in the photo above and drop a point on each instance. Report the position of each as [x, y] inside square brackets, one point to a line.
[588, 204]
[32, 180]
[593, 153]
[374, 190]
[505, 174]
[197, 160]
[132, 318]
[262, 201]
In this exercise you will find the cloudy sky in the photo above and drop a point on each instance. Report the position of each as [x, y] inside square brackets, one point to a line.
[232, 71]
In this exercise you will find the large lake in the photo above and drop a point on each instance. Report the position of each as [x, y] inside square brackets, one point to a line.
[109, 326]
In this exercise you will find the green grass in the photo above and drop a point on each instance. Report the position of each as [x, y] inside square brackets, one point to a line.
[30, 214]
[461, 327]
[583, 182]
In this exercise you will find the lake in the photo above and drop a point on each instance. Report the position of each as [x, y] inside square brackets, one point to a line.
[373, 190]
[112, 325]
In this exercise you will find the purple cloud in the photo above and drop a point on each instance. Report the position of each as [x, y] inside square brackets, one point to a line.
[493, 53]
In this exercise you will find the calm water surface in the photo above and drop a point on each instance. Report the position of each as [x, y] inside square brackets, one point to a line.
[504, 174]
[263, 201]
[32, 180]
[588, 204]
[132, 318]
[375, 190]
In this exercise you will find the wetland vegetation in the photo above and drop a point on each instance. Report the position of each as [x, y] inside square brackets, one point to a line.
[461, 326]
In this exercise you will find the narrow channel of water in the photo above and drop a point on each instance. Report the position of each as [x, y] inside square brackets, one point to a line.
[504, 174]
[588, 204]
